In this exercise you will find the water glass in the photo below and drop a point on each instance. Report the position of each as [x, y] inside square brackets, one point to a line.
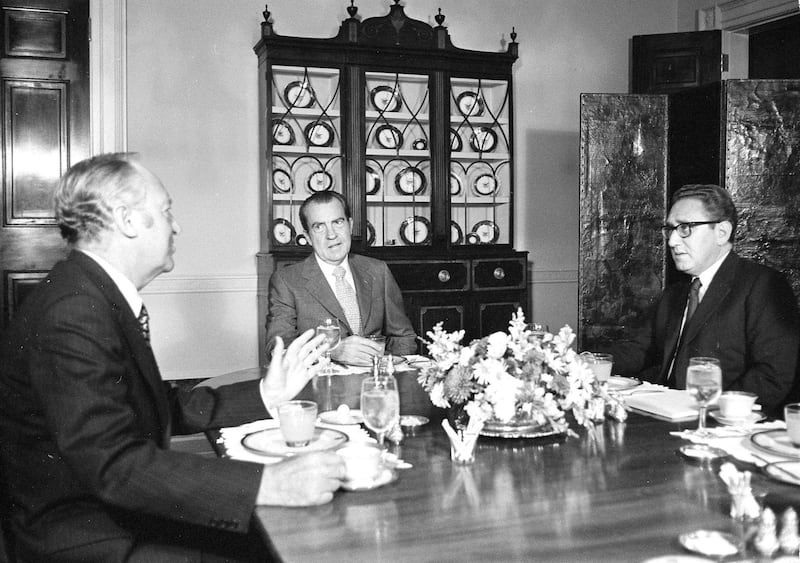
[704, 383]
[791, 414]
[297, 420]
[380, 341]
[380, 404]
[332, 331]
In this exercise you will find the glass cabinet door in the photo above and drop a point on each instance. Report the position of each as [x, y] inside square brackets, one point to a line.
[306, 133]
[398, 160]
[480, 162]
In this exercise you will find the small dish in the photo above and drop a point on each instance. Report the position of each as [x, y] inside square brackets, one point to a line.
[488, 232]
[416, 230]
[701, 453]
[282, 231]
[351, 416]
[775, 442]
[319, 134]
[483, 140]
[385, 98]
[619, 383]
[389, 137]
[784, 471]
[410, 181]
[384, 478]
[282, 132]
[752, 418]
[413, 421]
[320, 181]
[298, 94]
[709, 543]
[485, 185]
[281, 182]
[270, 442]
[469, 104]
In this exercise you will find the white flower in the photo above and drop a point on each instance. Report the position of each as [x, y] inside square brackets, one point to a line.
[496, 345]
[488, 371]
[437, 395]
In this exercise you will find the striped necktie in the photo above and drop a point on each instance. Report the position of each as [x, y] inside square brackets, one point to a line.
[347, 299]
[144, 323]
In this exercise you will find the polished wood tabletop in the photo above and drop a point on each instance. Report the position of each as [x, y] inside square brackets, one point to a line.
[617, 492]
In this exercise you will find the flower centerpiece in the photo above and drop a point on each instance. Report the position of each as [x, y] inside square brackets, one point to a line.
[521, 377]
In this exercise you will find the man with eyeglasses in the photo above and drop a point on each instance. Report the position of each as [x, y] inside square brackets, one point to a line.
[332, 283]
[727, 307]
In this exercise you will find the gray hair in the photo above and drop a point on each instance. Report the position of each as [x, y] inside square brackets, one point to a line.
[716, 201]
[91, 189]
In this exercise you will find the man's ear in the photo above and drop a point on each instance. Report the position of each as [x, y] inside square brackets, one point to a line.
[123, 219]
[724, 232]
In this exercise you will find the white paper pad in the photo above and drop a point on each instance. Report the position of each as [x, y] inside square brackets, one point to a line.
[670, 404]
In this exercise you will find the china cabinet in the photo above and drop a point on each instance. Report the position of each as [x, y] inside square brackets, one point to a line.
[417, 134]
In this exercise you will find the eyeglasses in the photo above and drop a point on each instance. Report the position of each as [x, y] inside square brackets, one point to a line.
[684, 229]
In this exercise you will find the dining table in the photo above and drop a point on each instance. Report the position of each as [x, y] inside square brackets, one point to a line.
[617, 490]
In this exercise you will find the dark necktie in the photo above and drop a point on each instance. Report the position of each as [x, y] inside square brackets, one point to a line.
[691, 307]
[144, 324]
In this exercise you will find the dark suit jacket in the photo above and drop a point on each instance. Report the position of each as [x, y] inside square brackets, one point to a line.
[300, 297]
[748, 319]
[85, 424]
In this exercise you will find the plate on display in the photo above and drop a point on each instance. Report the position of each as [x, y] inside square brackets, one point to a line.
[456, 234]
[776, 442]
[416, 230]
[385, 98]
[419, 145]
[282, 132]
[319, 134]
[472, 238]
[281, 181]
[320, 181]
[370, 234]
[469, 104]
[373, 181]
[488, 232]
[784, 471]
[619, 383]
[270, 442]
[751, 418]
[483, 139]
[282, 231]
[298, 94]
[301, 240]
[410, 181]
[455, 141]
[485, 185]
[389, 137]
[455, 184]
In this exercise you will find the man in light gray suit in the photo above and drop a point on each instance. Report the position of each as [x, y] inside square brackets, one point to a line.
[303, 294]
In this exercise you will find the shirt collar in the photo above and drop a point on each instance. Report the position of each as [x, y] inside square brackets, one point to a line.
[328, 268]
[125, 286]
[708, 275]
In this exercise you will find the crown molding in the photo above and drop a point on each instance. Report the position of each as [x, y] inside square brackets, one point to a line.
[741, 15]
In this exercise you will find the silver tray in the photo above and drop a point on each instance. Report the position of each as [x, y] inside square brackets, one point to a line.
[518, 430]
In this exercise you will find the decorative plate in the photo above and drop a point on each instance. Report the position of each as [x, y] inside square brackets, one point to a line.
[389, 136]
[775, 442]
[270, 442]
[320, 181]
[301, 240]
[373, 181]
[455, 141]
[485, 184]
[488, 232]
[298, 94]
[385, 98]
[282, 132]
[455, 184]
[282, 231]
[456, 234]
[518, 429]
[483, 139]
[469, 104]
[419, 145]
[319, 134]
[370, 234]
[281, 181]
[416, 230]
[785, 471]
[472, 238]
[410, 181]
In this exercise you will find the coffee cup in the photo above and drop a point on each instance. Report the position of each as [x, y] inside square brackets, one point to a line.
[791, 413]
[297, 420]
[736, 404]
[362, 462]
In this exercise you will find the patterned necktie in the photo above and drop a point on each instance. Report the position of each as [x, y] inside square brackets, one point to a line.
[347, 299]
[144, 324]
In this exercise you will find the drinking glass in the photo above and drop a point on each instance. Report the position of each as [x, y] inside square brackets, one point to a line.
[380, 404]
[704, 383]
[332, 331]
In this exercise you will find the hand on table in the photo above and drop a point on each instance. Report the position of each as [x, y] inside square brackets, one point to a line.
[356, 351]
[289, 372]
[303, 480]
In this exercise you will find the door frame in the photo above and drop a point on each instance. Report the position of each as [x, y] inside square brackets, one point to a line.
[108, 76]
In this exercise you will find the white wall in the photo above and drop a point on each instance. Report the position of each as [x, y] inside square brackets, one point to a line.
[192, 114]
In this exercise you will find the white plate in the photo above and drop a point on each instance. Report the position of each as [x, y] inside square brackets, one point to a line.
[619, 383]
[384, 478]
[784, 471]
[709, 543]
[270, 442]
[752, 418]
[352, 416]
[776, 442]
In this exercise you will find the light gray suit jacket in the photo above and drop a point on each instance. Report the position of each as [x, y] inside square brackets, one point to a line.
[300, 297]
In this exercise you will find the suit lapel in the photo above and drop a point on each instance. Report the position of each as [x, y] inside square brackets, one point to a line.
[672, 329]
[715, 294]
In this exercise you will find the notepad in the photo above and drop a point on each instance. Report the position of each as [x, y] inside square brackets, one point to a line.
[671, 404]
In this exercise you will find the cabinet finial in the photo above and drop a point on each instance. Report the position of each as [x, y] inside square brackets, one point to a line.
[352, 10]
[513, 34]
[266, 13]
[439, 18]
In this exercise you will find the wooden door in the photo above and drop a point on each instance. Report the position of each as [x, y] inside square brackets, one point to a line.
[44, 64]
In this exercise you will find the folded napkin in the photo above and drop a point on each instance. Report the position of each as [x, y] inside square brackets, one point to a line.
[735, 441]
[669, 404]
[231, 438]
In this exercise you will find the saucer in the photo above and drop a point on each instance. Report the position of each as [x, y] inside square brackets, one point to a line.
[709, 543]
[384, 478]
[775, 442]
[784, 471]
[352, 416]
[270, 442]
[751, 418]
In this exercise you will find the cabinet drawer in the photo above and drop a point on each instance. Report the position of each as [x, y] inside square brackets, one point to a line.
[493, 274]
[431, 276]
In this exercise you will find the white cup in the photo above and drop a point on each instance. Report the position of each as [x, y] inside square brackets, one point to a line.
[736, 404]
[297, 420]
[791, 413]
[362, 462]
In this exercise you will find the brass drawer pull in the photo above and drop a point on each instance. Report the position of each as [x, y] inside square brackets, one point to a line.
[499, 273]
[444, 276]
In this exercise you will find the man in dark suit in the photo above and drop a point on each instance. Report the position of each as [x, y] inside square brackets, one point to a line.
[303, 294]
[86, 420]
[746, 313]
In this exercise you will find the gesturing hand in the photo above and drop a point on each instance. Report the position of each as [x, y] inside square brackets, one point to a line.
[303, 480]
[289, 372]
